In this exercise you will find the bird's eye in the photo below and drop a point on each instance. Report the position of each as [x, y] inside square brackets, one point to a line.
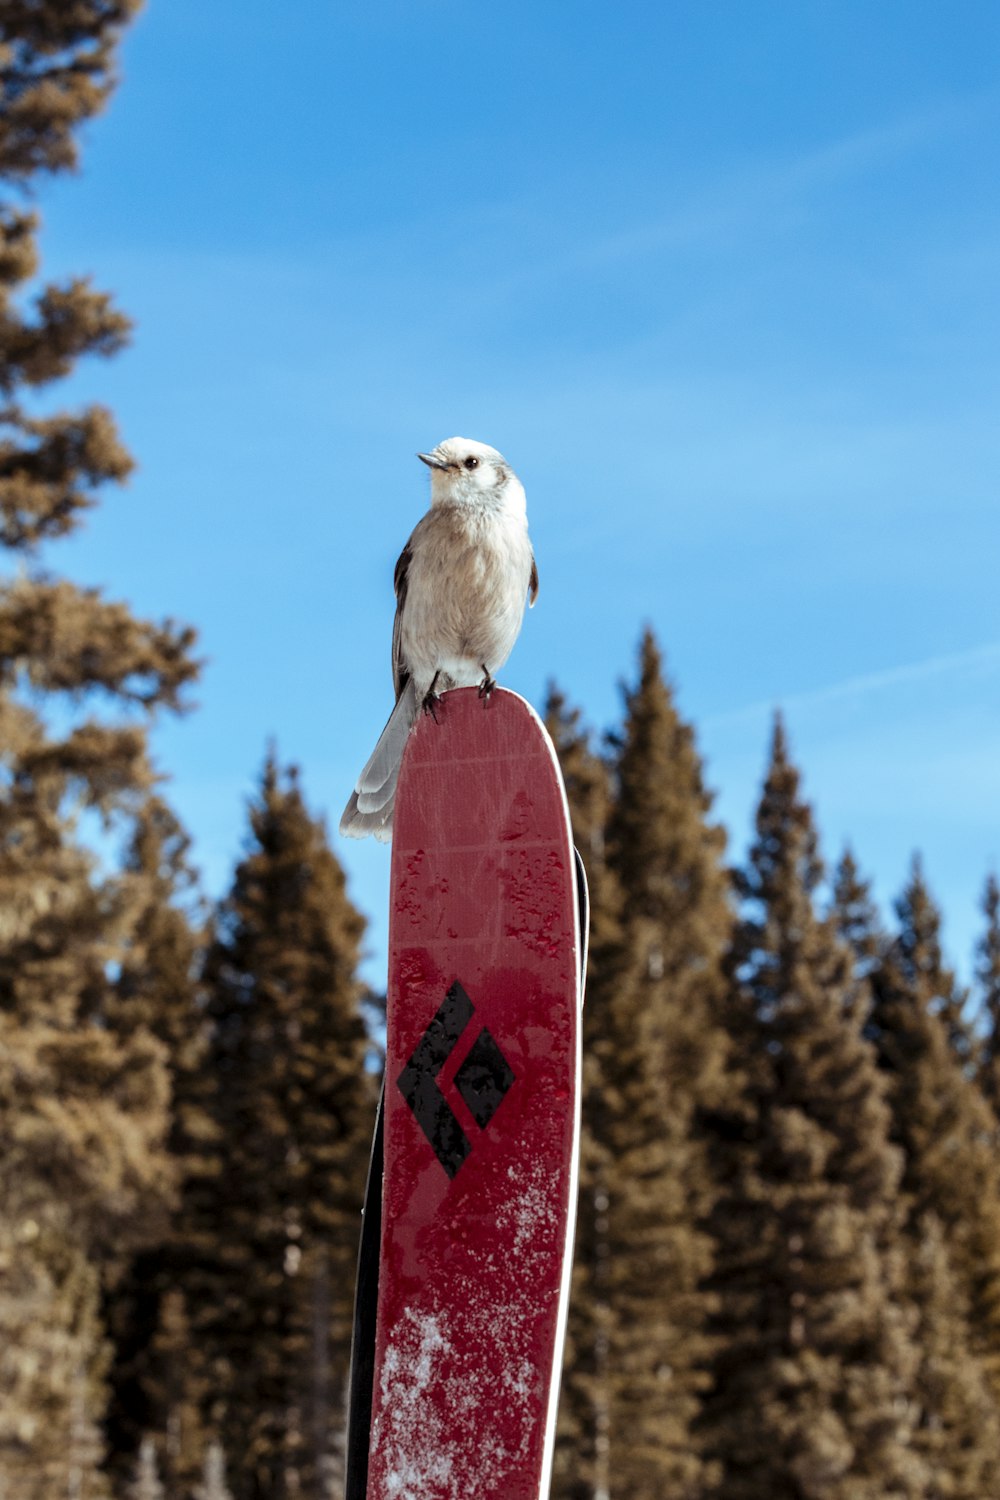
[472, 462]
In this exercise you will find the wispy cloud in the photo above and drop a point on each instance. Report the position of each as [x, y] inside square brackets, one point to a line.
[977, 659]
[758, 191]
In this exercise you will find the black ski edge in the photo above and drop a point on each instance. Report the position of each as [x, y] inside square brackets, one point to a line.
[362, 1378]
[583, 914]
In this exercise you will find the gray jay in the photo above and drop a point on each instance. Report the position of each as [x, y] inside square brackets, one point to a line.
[461, 584]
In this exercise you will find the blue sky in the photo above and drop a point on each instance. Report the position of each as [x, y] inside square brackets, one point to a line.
[721, 281]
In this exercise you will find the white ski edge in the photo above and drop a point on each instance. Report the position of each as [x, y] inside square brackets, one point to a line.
[548, 1451]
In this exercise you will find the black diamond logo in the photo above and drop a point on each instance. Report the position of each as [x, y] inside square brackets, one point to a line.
[482, 1080]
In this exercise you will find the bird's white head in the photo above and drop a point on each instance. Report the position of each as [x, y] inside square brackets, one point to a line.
[464, 472]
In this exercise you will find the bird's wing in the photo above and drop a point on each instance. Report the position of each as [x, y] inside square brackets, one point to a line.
[533, 581]
[400, 671]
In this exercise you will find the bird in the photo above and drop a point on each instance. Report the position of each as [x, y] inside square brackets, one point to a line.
[461, 583]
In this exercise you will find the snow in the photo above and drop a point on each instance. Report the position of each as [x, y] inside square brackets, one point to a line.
[416, 1461]
[461, 1401]
[533, 1212]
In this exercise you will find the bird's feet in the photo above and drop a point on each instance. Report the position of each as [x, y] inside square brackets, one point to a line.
[488, 683]
[432, 699]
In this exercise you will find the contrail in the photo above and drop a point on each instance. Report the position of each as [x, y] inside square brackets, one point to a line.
[869, 682]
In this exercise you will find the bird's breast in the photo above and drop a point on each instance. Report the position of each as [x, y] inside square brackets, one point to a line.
[466, 591]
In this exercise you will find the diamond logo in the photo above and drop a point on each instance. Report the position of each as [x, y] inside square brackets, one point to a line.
[482, 1080]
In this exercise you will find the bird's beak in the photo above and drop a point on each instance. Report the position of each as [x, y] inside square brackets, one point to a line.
[434, 463]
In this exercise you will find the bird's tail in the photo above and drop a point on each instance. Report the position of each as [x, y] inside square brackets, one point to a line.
[370, 807]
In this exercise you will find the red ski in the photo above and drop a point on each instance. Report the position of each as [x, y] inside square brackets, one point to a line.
[481, 1111]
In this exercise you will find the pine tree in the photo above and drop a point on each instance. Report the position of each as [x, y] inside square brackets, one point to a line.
[51, 1356]
[57, 69]
[814, 1362]
[940, 1118]
[856, 918]
[668, 1065]
[653, 1058]
[175, 1380]
[273, 1210]
[955, 1421]
[56, 64]
[83, 1108]
[947, 999]
[156, 990]
[988, 975]
[582, 1450]
[668, 861]
[957, 1431]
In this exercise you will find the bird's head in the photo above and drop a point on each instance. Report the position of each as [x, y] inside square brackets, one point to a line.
[464, 472]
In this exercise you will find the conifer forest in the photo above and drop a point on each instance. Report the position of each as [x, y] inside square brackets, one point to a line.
[787, 1273]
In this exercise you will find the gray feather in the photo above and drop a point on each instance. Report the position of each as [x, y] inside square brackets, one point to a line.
[358, 825]
[370, 807]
